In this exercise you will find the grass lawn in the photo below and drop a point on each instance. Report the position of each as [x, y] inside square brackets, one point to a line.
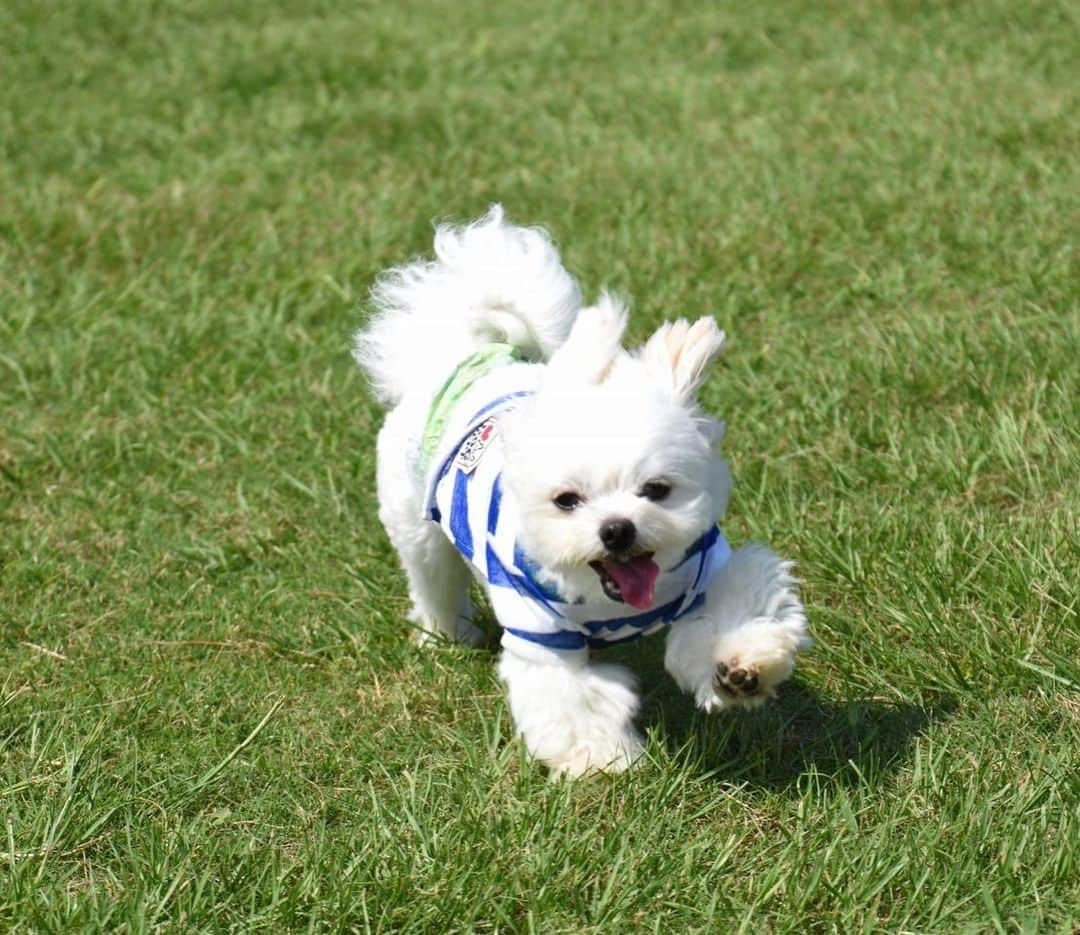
[210, 717]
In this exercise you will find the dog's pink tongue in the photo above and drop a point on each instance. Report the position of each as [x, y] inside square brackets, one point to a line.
[636, 579]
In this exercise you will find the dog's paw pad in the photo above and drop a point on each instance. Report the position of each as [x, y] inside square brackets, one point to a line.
[736, 681]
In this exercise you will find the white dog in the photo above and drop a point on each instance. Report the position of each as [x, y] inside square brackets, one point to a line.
[578, 482]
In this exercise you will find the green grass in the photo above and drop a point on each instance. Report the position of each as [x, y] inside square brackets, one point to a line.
[210, 717]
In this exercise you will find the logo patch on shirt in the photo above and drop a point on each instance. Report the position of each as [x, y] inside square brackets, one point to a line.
[473, 448]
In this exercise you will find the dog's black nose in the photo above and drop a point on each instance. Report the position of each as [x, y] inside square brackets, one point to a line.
[617, 534]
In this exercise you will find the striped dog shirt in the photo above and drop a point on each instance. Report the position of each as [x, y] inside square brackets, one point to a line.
[461, 455]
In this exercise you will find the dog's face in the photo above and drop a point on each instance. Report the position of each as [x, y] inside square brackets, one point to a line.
[611, 464]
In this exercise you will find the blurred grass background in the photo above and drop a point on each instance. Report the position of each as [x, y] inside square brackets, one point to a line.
[210, 718]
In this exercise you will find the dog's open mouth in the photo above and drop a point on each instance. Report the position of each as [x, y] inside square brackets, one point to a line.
[630, 580]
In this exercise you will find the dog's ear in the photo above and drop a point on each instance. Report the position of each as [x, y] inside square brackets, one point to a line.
[678, 354]
[593, 343]
[712, 429]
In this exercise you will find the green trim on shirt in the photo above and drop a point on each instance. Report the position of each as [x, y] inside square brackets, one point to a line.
[478, 364]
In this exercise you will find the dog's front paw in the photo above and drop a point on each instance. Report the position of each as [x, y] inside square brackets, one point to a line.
[750, 663]
[612, 753]
[574, 718]
[744, 644]
[735, 681]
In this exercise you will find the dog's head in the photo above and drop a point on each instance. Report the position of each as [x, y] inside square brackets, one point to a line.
[612, 464]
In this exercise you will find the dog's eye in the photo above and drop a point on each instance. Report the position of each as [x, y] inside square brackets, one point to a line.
[567, 501]
[656, 490]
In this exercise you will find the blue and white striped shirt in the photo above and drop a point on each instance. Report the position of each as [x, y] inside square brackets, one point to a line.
[465, 495]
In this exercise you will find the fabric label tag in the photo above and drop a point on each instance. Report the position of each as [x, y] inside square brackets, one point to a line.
[473, 448]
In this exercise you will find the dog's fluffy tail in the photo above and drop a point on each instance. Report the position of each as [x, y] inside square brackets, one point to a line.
[491, 281]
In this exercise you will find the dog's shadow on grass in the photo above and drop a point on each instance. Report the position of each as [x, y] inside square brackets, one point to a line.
[794, 735]
[797, 734]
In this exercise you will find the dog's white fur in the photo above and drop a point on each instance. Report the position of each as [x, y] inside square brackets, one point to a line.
[602, 423]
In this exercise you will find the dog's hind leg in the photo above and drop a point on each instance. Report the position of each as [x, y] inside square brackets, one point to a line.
[438, 577]
[438, 586]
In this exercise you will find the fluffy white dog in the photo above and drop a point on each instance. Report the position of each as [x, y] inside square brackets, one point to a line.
[578, 482]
